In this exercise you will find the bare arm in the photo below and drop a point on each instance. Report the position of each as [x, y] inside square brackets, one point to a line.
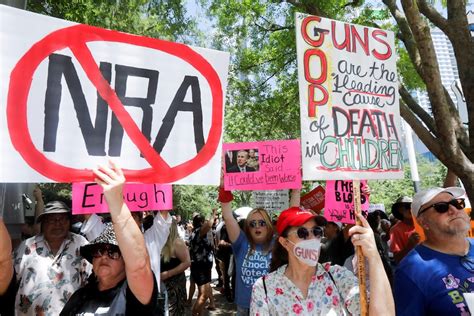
[6, 261]
[182, 253]
[39, 208]
[129, 237]
[231, 224]
[381, 298]
[295, 197]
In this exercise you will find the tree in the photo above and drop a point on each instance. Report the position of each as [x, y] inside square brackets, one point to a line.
[263, 81]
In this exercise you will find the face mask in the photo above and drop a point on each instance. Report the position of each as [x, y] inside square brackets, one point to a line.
[307, 251]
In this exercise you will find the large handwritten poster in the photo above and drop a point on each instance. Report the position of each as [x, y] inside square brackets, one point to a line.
[350, 120]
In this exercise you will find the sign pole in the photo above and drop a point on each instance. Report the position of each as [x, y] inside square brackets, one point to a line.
[360, 256]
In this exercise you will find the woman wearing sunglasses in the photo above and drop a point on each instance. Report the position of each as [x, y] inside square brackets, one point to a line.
[251, 247]
[122, 282]
[299, 285]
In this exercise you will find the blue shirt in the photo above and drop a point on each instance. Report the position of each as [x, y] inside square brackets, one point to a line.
[249, 267]
[428, 282]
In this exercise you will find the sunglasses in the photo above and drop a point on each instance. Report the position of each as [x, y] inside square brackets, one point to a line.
[112, 252]
[303, 232]
[259, 223]
[443, 207]
[468, 263]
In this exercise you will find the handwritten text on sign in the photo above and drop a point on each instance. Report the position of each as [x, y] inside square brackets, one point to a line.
[88, 198]
[350, 120]
[155, 106]
[278, 166]
[339, 201]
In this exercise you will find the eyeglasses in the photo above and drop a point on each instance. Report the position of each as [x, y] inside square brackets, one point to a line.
[112, 252]
[467, 263]
[56, 219]
[259, 223]
[443, 207]
[303, 232]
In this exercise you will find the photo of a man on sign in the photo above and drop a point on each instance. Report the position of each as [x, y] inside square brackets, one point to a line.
[244, 162]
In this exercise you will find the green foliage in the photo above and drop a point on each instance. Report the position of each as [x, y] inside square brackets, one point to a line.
[188, 199]
[56, 192]
[387, 191]
[155, 18]
[407, 73]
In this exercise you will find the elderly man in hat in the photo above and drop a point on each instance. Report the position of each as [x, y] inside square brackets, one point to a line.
[403, 236]
[48, 266]
[433, 277]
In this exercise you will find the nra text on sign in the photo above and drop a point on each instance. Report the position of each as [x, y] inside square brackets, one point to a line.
[78, 94]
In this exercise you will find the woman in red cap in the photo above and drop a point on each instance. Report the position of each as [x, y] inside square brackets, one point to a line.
[299, 285]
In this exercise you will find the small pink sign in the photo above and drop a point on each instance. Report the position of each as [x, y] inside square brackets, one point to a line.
[269, 165]
[88, 198]
[339, 201]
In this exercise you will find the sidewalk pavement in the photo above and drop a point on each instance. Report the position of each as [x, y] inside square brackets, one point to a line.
[222, 306]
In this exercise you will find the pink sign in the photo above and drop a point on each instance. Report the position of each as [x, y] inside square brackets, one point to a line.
[269, 165]
[339, 202]
[89, 198]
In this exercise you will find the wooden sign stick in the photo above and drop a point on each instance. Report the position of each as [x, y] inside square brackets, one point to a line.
[360, 257]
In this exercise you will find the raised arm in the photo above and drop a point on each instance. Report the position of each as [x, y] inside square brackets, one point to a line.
[39, 208]
[6, 261]
[129, 237]
[233, 229]
[295, 197]
[381, 298]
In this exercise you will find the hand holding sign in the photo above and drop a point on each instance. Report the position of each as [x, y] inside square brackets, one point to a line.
[111, 179]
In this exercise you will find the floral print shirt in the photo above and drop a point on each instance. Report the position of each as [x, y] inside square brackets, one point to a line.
[324, 297]
[46, 281]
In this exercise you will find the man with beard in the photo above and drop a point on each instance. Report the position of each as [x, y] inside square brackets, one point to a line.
[432, 278]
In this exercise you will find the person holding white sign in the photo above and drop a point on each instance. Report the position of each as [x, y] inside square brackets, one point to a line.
[298, 284]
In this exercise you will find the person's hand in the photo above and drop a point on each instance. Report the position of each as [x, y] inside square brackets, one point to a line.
[37, 193]
[413, 240]
[111, 179]
[164, 275]
[363, 236]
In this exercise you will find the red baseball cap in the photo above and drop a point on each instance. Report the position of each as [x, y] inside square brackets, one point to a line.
[294, 216]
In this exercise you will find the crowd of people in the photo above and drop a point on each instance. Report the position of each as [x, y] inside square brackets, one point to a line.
[297, 263]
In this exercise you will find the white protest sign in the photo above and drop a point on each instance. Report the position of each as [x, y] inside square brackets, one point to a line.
[350, 120]
[271, 200]
[376, 206]
[74, 95]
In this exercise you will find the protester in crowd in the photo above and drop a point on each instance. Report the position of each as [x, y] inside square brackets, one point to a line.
[374, 220]
[331, 230]
[8, 284]
[155, 236]
[298, 284]
[403, 236]
[224, 257]
[174, 261]
[48, 267]
[201, 263]
[122, 281]
[242, 157]
[432, 278]
[251, 246]
[181, 230]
